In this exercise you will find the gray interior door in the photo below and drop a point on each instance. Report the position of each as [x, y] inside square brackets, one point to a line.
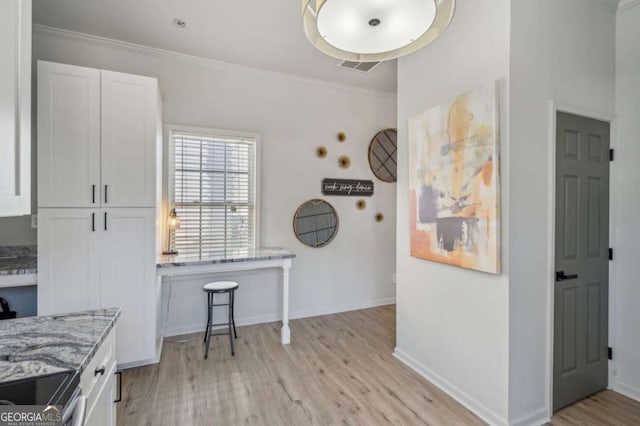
[581, 259]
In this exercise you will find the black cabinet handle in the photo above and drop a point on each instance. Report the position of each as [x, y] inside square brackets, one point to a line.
[560, 276]
[106, 191]
[93, 222]
[93, 194]
[99, 371]
[105, 221]
[119, 374]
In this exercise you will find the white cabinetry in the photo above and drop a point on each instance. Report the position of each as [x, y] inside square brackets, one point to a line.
[99, 153]
[68, 260]
[98, 382]
[91, 258]
[68, 136]
[129, 139]
[128, 270]
[15, 107]
[97, 137]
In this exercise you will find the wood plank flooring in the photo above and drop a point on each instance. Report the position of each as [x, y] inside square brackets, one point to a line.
[337, 370]
[604, 408]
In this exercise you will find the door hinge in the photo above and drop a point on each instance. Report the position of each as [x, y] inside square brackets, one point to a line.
[611, 154]
[610, 353]
[610, 254]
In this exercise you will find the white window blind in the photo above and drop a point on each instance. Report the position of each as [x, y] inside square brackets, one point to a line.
[214, 193]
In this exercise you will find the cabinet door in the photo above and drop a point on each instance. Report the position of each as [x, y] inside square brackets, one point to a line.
[15, 107]
[129, 140]
[102, 411]
[128, 279]
[68, 260]
[68, 136]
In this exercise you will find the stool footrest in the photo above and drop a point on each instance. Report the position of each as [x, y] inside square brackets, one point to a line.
[224, 323]
[220, 334]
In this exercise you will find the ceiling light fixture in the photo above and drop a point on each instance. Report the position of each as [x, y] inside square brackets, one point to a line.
[374, 30]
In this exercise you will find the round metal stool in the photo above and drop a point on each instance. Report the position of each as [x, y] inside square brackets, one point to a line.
[219, 287]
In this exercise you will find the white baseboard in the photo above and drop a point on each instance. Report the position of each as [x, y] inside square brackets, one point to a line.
[159, 346]
[536, 418]
[626, 390]
[261, 319]
[134, 364]
[342, 308]
[476, 407]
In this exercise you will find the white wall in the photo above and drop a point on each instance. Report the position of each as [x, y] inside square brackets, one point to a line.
[452, 323]
[294, 116]
[626, 203]
[561, 51]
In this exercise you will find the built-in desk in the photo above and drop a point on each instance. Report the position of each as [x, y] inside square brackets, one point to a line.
[261, 258]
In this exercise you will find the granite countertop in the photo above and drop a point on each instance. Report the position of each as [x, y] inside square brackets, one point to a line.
[167, 261]
[18, 260]
[37, 346]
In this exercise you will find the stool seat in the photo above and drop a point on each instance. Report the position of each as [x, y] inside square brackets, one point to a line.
[220, 286]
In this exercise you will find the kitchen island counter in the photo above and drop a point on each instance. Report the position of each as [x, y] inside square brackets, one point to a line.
[37, 346]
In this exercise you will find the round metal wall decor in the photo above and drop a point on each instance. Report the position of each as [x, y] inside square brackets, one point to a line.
[315, 223]
[321, 152]
[344, 162]
[383, 155]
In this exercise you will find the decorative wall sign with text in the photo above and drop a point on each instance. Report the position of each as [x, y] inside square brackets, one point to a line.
[347, 187]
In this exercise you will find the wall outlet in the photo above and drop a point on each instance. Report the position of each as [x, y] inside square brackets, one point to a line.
[393, 278]
[34, 221]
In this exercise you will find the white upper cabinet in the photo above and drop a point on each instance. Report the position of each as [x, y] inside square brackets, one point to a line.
[129, 140]
[97, 138]
[15, 107]
[68, 136]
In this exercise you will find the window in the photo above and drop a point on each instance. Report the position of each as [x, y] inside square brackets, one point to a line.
[214, 191]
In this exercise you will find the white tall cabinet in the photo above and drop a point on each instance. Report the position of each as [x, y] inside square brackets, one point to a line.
[15, 107]
[99, 151]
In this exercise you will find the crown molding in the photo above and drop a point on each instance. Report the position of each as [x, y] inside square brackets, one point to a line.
[198, 60]
[627, 4]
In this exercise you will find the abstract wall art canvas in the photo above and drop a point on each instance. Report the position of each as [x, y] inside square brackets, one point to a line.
[454, 181]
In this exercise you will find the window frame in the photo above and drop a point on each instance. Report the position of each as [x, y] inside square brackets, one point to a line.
[213, 132]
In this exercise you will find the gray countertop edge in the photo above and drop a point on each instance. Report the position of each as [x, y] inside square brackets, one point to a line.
[87, 359]
[18, 271]
[220, 261]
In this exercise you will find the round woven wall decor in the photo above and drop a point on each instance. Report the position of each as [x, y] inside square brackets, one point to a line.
[383, 155]
[315, 223]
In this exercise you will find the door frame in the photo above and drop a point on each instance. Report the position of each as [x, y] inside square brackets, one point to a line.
[554, 107]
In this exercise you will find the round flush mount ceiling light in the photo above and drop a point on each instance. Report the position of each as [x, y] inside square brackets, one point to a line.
[374, 30]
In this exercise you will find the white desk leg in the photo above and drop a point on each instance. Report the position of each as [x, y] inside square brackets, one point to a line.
[286, 333]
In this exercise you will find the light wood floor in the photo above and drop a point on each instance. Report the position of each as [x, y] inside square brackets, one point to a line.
[337, 370]
[604, 408]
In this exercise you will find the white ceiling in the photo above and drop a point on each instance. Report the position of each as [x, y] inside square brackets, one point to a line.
[264, 34]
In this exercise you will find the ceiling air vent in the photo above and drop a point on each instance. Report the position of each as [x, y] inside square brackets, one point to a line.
[359, 66]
